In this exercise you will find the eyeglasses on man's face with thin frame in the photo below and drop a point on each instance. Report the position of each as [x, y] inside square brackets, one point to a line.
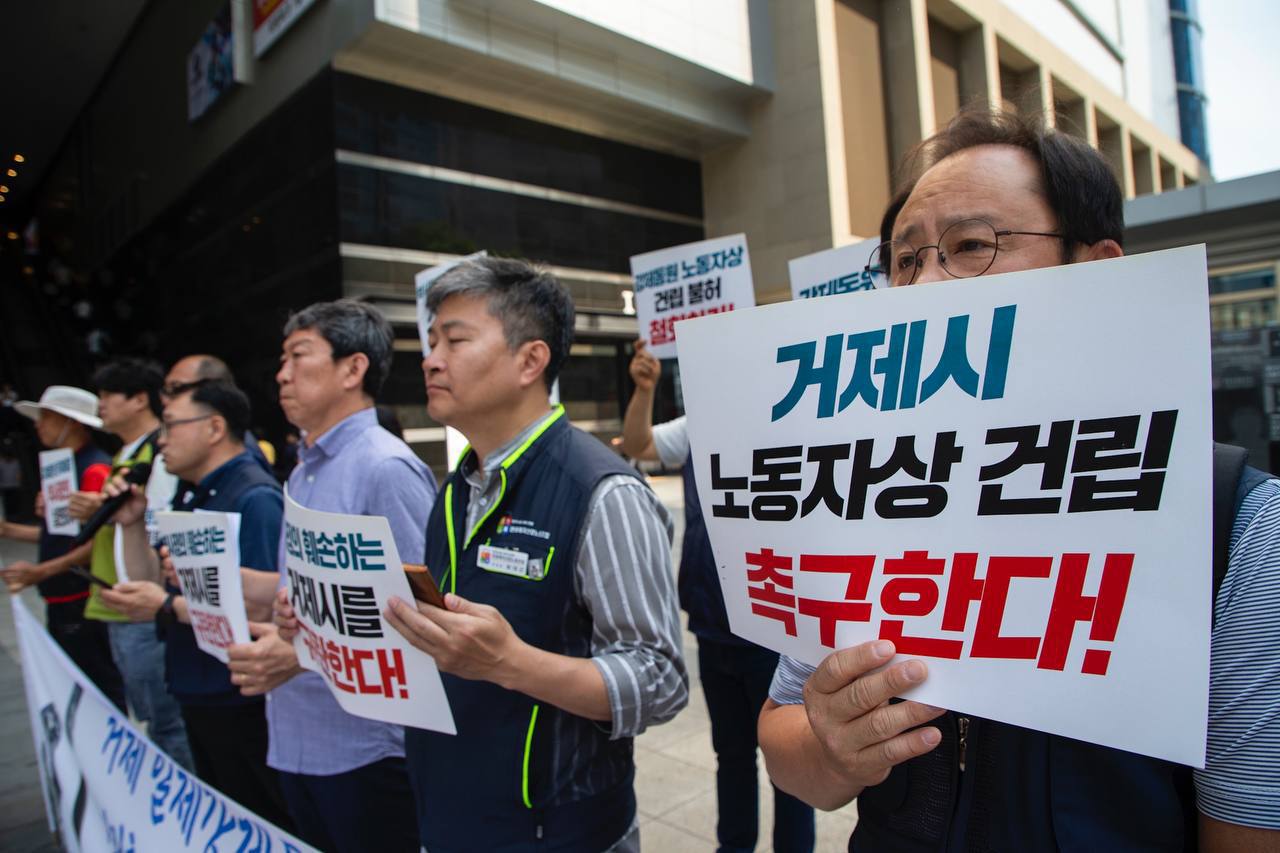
[167, 426]
[966, 249]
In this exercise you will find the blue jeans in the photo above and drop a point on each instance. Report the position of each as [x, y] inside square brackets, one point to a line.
[139, 655]
[735, 681]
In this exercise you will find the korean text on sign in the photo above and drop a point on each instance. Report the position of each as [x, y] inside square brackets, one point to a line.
[694, 280]
[1007, 476]
[342, 570]
[205, 548]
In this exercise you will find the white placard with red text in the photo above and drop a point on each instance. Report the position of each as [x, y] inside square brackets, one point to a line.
[693, 280]
[342, 571]
[835, 271]
[57, 482]
[205, 548]
[1008, 476]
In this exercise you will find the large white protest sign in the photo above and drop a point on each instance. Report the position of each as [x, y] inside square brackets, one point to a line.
[835, 271]
[106, 786]
[343, 569]
[205, 547]
[693, 280]
[1008, 476]
[57, 482]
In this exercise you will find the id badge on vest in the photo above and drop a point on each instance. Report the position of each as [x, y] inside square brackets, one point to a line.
[509, 561]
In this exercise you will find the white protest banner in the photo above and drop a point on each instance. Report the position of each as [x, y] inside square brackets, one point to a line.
[343, 569]
[205, 547]
[835, 271]
[693, 280]
[1008, 476]
[106, 786]
[57, 482]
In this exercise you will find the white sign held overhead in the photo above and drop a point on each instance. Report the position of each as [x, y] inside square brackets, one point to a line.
[205, 547]
[693, 280]
[835, 271]
[343, 570]
[1007, 476]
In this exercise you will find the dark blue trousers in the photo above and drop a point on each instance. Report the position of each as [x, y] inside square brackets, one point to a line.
[367, 809]
[735, 681]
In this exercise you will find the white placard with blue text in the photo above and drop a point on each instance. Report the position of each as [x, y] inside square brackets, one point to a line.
[106, 786]
[835, 271]
[57, 482]
[1008, 476]
[693, 280]
[342, 572]
[205, 549]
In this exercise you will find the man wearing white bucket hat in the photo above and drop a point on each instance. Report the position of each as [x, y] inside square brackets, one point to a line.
[64, 416]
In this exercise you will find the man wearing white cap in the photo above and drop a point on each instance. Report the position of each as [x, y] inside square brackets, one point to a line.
[63, 419]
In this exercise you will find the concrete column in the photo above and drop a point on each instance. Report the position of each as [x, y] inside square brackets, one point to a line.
[1126, 163]
[1046, 97]
[979, 66]
[908, 75]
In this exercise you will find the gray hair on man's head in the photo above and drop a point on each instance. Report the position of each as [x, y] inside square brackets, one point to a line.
[351, 326]
[530, 302]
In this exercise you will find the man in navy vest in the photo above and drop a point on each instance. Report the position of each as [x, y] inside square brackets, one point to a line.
[931, 780]
[734, 672]
[560, 640]
[201, 436]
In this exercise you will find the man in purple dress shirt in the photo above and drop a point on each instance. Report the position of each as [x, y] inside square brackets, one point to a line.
[343, 776]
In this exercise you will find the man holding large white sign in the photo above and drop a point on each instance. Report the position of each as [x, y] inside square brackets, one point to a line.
[693, 280]
[1008, 477]
[344, 776]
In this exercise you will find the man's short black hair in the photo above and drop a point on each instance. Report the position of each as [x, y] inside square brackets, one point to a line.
[131, 376]
[351, 326]
[529, 301]
[225, 399]
[1078, 185]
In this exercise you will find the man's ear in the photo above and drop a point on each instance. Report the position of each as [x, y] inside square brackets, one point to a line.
[217, 428]
[532, 360]
[353, 374]
[1098, 251]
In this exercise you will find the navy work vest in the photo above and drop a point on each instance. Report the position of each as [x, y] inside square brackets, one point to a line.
[698, 581]
[497, 785]
[193, 676]
[1028, 790]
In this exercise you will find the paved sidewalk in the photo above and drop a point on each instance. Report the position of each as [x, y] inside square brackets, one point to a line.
[23, 828]
[675, 765]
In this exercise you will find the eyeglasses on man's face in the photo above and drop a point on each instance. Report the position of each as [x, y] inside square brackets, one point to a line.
[167, 426]
[966, 249]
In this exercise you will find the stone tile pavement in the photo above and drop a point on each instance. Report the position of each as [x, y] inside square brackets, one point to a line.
[675, 765]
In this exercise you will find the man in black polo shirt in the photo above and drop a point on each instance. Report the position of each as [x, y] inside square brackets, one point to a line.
[201, 436]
